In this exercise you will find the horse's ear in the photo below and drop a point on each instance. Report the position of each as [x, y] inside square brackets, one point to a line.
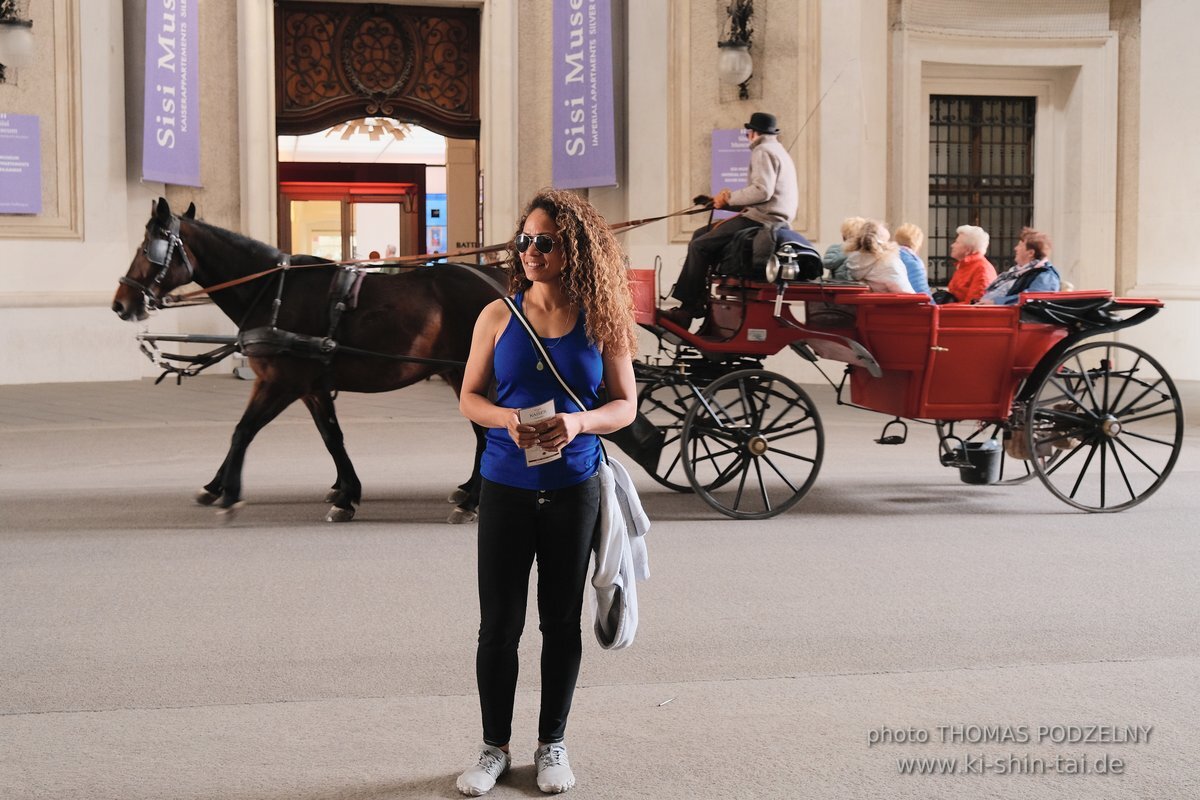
[162, 211]
[191, 211]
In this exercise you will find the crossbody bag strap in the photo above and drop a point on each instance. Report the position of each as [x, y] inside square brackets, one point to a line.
[546, 359]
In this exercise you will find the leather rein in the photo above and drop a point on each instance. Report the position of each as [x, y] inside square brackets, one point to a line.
[159, 251]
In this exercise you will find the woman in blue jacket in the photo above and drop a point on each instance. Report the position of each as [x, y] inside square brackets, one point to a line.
[1033, 271]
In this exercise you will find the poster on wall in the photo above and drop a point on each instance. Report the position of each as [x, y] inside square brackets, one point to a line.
[20, 164]
[171, 124]
[584, 131]
[435, 223]
[730, 162]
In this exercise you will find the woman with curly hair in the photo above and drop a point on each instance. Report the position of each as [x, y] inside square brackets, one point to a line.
[570, 281]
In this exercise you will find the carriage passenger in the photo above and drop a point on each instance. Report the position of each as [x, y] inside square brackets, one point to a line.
[570, 281]
[835, 256]
[974, 272]
[874, 259]
[910, 237]
[1033, 271]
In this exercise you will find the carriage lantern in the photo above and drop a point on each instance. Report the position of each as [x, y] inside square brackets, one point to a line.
[735, 66]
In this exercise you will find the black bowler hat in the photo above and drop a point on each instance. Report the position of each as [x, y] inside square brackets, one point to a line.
[763, 123]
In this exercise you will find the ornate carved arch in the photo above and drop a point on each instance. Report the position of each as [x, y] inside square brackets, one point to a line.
[339, 61]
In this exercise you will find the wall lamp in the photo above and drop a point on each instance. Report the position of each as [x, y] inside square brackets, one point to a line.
[735, 66]
[16, 37]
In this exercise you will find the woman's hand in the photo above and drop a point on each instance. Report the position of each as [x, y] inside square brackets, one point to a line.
[722, 199]
[525, 436]
[558, 431]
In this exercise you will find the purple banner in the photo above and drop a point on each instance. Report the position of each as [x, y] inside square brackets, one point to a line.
[730, 162]
[584, 130]
[171, 129]
[20, 164]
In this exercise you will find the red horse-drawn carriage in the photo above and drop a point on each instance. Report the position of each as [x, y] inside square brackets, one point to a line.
[1013, 391]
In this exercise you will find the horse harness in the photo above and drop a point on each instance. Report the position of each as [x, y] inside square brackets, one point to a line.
[270, 340]
[343, 296]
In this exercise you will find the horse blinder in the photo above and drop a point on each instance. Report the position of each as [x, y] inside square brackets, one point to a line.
[158, 250]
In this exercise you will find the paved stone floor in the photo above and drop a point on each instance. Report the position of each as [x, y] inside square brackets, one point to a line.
[147, 651]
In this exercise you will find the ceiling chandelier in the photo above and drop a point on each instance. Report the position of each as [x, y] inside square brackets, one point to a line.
[375, 128]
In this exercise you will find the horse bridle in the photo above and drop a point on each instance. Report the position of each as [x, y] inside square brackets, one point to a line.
[159, 250]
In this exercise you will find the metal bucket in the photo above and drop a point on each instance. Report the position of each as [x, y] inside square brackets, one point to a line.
[984, 459]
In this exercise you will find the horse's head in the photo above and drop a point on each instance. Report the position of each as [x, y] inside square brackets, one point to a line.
[161, 264]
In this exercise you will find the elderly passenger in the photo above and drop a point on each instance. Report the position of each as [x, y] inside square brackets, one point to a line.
[910, 238]
[974, 272]
[874, 259]
[1033, 271]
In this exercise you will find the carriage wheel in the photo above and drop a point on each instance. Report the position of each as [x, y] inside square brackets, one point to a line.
[1115, 416]
[753, 446]
[666, 405]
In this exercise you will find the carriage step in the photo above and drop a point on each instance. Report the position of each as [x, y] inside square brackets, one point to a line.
[893, 438]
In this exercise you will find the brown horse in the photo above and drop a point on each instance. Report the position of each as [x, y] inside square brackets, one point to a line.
[405, 328]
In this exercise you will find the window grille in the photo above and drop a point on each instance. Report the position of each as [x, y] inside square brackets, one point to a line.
[980, 173]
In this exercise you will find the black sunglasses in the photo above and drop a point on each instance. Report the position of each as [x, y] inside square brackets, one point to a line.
[544, 242]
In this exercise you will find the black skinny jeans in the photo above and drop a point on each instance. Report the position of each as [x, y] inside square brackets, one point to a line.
[515, 526]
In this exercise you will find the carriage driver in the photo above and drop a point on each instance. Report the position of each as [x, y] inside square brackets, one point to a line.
[770, 197]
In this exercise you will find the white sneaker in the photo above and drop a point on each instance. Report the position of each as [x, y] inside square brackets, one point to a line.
[553, 770]
[479, 779]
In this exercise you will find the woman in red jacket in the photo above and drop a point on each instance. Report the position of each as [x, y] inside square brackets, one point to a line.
[974, 272]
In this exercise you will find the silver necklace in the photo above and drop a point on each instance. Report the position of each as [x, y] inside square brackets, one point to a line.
[541, 366]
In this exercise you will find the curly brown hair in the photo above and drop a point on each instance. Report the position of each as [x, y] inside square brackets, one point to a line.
[594, 274]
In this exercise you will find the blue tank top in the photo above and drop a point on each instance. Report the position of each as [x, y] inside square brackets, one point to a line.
[520, 384]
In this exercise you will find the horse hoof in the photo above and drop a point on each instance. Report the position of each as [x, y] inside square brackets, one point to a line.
[461, 516]
[206, 498]
[333, 496]
[340, 514]
[227, 515]
[457, 496]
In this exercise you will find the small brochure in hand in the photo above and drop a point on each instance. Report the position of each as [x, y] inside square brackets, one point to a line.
[532, 416]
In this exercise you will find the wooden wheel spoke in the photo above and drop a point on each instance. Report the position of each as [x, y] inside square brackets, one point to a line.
[1060, 463]
[1145, 438]
[1121, 468]
[1140, 460]
[1142, 417]
[782, 477]
[1129, 379]
[1083, 473]
[762, 487]
[790, 454]
[1068, 394]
